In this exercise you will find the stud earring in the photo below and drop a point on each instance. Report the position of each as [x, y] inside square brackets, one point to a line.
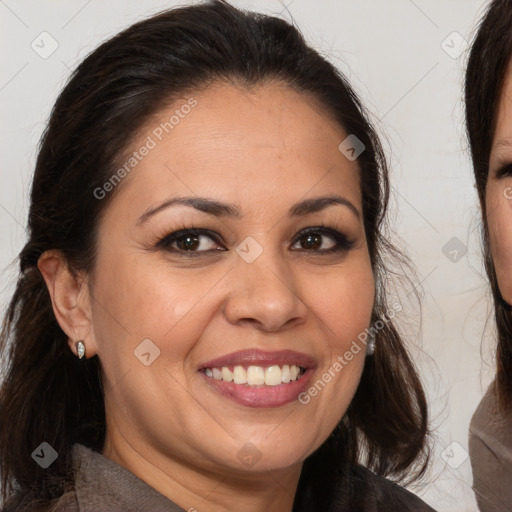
[370, 347]
[80, 349]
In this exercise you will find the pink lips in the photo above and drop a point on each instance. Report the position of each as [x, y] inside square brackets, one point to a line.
[261, 396]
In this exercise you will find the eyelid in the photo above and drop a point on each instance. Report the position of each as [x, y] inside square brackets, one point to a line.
[504, 171]
[181, 232]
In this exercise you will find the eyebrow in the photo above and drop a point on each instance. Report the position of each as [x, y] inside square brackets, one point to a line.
[219, 209]
[500, 150]
[503, 143]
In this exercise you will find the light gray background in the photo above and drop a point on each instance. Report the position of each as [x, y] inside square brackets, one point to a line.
[394, 55]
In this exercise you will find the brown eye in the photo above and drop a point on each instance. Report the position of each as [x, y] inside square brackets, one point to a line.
[190, 241]
[317, 240]
[312, 242]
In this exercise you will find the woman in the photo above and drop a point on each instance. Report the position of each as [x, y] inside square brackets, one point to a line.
[489, 126]
[201, 282]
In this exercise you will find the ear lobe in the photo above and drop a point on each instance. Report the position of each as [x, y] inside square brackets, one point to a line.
[70, 299]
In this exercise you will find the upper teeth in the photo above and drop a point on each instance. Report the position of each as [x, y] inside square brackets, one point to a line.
[256, 375]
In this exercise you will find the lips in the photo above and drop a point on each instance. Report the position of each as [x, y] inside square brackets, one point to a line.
[257, 378]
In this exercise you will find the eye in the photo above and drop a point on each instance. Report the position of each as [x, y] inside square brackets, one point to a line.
[316, 240]
[197, 242]
[190, 241]
[504, 172]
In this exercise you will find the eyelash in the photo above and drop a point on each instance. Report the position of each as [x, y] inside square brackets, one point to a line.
[504, 171]
[342, 242]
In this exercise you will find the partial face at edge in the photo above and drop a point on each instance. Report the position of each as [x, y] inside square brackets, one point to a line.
[499, 192]
[264, 152]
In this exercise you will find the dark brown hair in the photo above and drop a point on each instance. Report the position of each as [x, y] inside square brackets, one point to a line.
[49, 395]
[485, 75]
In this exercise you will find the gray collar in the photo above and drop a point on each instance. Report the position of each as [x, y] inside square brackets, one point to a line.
[103, 485]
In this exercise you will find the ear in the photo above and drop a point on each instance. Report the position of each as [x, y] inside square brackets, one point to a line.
[71, 300]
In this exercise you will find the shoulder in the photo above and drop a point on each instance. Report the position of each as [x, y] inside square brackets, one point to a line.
[489, 420]
[371, 492]
[65, 503]
[59, 493]
[490, 451]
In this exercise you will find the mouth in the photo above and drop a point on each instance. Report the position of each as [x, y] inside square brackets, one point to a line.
[259, 379]
[257, 375]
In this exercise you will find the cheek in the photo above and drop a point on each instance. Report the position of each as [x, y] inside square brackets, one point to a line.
[344, 304]
[136, 301]
[499, 219]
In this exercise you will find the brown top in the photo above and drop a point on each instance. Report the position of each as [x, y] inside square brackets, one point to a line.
[102, 485]
[490, 450]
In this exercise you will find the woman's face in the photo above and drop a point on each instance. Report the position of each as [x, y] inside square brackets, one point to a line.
[499, 192]
[171, 314]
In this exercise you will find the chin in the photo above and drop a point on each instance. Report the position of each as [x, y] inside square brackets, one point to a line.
[275, 462]
[272, 456]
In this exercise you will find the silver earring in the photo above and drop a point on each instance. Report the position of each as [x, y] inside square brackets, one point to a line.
[370, 347]
[80, 349]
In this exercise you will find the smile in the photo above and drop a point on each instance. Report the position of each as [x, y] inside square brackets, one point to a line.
[257, 375]
[257, 378]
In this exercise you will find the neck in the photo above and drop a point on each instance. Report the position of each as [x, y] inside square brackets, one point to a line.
[196, 489]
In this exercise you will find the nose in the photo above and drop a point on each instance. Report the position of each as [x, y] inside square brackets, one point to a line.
[264, 294]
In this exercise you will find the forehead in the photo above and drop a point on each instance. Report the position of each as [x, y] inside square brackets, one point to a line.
[267, 143]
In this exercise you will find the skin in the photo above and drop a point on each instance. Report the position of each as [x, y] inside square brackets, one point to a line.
[499, 192]
[264, 151]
